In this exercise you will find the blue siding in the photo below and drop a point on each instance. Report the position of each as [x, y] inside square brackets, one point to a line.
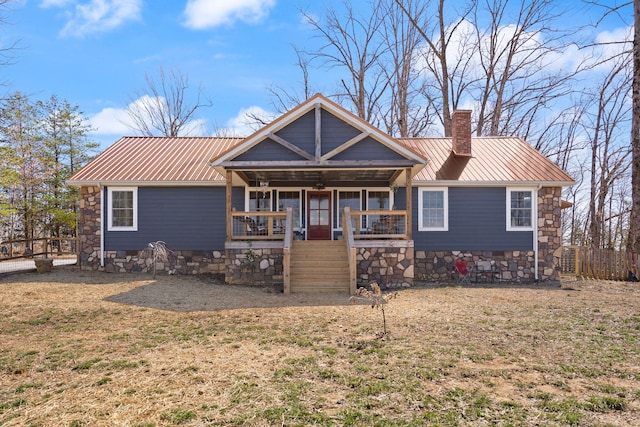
[268, 150]
[368, 149]
[186, 218]
[335, 132]
[477, 221]
[301, 132]
[237, 198]
[400, 198]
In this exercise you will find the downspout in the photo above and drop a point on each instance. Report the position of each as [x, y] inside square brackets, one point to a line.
[103, 200]
[535, 235]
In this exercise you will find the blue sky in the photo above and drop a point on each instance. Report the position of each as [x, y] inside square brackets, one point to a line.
[95, 53]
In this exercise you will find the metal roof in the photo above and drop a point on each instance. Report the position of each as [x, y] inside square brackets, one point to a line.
[185, 161]
[496, 160]
[156, 160]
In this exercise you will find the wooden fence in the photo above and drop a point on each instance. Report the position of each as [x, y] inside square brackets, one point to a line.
[605, 264]
[40, 247]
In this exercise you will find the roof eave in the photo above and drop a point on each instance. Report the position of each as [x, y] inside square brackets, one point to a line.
[112, 183]
[457, 183]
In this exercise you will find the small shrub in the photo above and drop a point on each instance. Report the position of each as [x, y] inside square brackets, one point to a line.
[377, 300]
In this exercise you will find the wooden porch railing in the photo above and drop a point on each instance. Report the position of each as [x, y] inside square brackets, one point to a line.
[286, 251]
[380, 224]
[351, 250]
[258, 225]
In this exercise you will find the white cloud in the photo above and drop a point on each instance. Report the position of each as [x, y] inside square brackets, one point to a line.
[111, 121]
[201, 14]
[95, 16]
[55, 3]
[117, 121]
[244, 124]
[612, 43]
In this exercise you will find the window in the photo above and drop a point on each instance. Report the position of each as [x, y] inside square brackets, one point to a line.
[290, 199]
[259, 202]
[350, 199]
[377, 200]
[520, 209]
[123, 209]
[433, 205]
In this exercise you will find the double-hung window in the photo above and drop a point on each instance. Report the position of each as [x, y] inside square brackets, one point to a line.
[122, 214]
[520, 209]
[350, 199]
[290, 199]
[433, 205]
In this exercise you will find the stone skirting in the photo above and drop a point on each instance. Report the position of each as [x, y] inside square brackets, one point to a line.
[90, 227]
[180, 262]
[389, 266]
[510, 266]
[253, 265]
[549, 232]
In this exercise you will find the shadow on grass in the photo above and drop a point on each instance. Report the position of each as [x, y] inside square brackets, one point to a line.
[546, 285]
[187, 294]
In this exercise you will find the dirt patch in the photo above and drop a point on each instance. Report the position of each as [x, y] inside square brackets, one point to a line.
[83, 348]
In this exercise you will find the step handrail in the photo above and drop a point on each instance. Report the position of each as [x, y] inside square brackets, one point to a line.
[286, 251]
[351, 249]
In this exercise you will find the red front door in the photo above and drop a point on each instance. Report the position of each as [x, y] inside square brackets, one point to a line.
[319, 215]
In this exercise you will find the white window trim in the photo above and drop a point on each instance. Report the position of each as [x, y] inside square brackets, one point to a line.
[300, 208]
[445, 196]
[337, 208]
[534, 208]
[110, 226]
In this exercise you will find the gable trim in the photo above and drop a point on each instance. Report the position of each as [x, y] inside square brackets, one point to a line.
[318, 102]
[286, 144]
[345, 145]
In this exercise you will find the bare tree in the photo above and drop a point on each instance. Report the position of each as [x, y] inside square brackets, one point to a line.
[516, 54]
[354, 46]
[164, 107]
[7, 48]
[286, 98]
[447, 58]
[633, 244]
[609, 158]
[404, 112]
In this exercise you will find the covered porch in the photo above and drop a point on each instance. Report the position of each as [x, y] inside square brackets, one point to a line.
[318, 174]
[273, 218]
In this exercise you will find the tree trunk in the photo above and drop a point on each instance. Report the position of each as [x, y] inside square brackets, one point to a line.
[633, 243]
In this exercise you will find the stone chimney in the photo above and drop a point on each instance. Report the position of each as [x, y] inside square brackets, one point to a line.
[461, 132]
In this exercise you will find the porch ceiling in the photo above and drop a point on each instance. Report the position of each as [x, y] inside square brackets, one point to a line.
[326, 177]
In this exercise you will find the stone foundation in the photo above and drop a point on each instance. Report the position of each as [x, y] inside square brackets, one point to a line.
[180, 262]
[510, 266]
[254, 265]
[389, 266]
[89, 225]
[549, 232]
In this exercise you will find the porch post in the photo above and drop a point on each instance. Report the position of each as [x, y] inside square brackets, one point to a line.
[409, 207]
[228, 205]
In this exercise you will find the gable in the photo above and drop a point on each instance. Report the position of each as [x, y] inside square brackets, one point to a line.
[268, 150]
[319, 133]
[368, 149]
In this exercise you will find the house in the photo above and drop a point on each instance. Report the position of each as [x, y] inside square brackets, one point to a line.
[321, 200]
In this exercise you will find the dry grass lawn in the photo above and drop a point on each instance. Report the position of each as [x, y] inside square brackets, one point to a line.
[94, 349]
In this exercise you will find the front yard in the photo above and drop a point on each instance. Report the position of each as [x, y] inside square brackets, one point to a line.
[93, 349]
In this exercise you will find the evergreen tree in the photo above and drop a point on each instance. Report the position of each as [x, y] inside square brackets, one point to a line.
[64, 131]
